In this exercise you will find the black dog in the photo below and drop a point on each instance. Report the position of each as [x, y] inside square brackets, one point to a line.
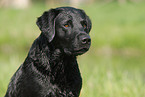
[51, 69]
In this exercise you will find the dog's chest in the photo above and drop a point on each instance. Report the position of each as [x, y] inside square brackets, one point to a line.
[65, 80]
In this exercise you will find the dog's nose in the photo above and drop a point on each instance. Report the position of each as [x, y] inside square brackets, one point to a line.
[86, 40]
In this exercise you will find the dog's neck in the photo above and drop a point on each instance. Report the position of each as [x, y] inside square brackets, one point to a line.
[47, 55]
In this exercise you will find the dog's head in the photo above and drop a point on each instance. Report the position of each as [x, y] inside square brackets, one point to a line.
[68, 28]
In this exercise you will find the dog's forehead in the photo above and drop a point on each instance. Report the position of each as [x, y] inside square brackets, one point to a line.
[71, 14]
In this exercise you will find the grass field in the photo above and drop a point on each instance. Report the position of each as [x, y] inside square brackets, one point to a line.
[115, 64]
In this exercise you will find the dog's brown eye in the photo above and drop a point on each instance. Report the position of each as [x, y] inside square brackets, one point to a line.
[84, 26]
[66, 25]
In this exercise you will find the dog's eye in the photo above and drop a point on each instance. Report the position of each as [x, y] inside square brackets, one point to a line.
[66, 25]
[84, 25]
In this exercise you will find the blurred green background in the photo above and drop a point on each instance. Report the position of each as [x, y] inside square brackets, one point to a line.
[115, 64]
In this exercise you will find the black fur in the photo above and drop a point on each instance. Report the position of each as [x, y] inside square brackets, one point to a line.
[51, 69]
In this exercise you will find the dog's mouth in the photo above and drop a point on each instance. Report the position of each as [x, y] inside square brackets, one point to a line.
[81, 51]
[76, 51]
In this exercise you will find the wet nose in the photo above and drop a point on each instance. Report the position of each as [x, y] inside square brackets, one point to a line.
[86, 40]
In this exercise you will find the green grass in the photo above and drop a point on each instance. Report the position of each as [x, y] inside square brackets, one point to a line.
[112, 76]
[114, 66]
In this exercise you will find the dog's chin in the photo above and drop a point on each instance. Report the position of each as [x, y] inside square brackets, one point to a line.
[76, 51]
[67, 52]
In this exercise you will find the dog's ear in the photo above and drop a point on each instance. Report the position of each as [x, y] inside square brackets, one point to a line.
[46, 23]
[89, 23]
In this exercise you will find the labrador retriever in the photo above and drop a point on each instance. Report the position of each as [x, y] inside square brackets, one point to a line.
[51, 68]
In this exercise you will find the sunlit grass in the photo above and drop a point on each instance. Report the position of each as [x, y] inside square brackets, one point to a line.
[112, 76]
